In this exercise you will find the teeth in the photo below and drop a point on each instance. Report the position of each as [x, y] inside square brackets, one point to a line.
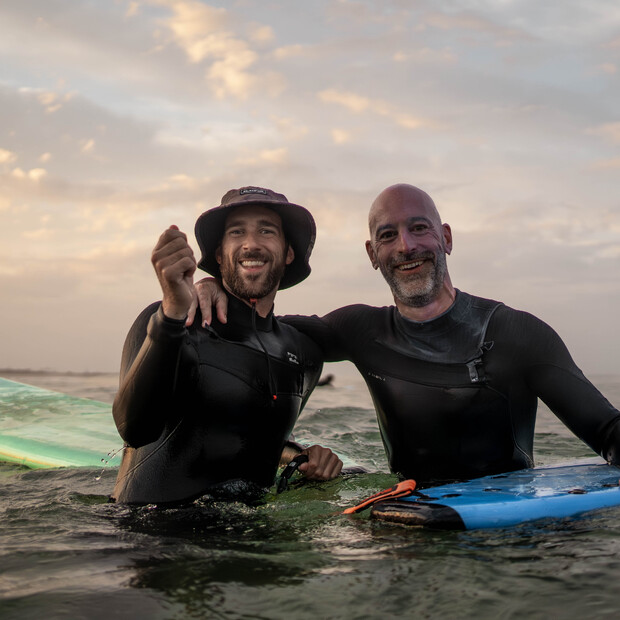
[252, 263]
[410, 265]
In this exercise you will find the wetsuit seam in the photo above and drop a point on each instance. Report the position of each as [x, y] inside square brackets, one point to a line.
[155, 451]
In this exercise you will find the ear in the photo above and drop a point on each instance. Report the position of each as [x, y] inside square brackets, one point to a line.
[290, 255]
[447, 237]
[218, 254]
[371, 255]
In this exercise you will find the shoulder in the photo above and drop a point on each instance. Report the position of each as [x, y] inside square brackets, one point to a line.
[141, 322]
[296, 339]
[358, 315]
[343, 319]
[522, 329]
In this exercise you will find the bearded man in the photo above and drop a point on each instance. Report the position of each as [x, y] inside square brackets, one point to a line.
[208, 409]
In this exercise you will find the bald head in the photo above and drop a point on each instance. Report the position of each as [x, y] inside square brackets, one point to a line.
[400, 195]
[409, 244]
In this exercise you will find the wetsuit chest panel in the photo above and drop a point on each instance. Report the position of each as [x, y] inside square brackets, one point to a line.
[417, 399]
[224, 364]
[437, 411]
[458, 336]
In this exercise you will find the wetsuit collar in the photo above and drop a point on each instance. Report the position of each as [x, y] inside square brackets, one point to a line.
[454, 336]
[240, 314]
[455, 313]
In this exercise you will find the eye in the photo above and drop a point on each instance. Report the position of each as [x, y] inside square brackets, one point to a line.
[419, 229]
[386, 235]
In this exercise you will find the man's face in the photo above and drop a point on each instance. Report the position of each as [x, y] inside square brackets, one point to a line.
[409, 245]
[253, 253]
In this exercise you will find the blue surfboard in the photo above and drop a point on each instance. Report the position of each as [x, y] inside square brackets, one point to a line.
[508, 499]
[42, 428]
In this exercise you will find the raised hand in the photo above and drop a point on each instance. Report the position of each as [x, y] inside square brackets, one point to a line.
[174, 264]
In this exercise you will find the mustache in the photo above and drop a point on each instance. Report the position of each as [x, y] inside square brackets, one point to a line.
[253, 256]
[406, 257]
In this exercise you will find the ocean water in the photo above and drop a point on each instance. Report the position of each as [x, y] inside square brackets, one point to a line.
[67, 553]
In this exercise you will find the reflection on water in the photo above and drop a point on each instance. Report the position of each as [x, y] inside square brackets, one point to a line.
[65, 552]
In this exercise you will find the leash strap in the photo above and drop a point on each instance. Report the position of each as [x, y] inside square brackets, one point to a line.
[402, 489]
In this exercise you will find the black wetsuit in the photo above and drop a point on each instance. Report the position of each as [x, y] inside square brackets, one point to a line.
[196, 406]
[456, 396]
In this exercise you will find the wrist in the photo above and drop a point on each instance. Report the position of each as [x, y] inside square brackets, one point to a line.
[173, 313]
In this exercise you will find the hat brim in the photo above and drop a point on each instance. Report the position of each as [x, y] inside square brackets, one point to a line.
[297, 223]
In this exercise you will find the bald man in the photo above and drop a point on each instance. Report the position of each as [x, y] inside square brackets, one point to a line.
[455, 379]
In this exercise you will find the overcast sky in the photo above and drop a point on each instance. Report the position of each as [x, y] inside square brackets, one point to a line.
[119, 118]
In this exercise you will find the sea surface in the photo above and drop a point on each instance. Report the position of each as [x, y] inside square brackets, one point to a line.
[65, 552]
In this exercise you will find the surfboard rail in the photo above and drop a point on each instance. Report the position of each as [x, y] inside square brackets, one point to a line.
[506, 500]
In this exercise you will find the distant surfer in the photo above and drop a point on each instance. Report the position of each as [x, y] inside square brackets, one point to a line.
[210, 409]
[454, 378]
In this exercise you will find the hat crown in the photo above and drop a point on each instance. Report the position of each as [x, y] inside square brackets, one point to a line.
[252, 194]
[297, 223]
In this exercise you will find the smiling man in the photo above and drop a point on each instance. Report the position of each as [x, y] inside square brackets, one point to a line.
[209, 409]
[454, 378]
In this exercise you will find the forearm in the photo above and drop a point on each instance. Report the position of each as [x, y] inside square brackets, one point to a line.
[149, 380]
[582, 408]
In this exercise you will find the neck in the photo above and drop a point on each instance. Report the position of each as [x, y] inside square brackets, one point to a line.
[264, 305]
[440, 304]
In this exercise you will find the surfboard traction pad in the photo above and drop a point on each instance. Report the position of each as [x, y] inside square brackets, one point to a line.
[424, 508]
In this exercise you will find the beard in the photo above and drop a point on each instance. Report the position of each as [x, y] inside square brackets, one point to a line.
[251, 286]
[420, 289]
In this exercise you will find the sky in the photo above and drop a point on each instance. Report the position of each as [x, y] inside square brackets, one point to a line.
[119, 118]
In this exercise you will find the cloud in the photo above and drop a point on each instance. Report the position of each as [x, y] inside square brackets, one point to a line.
[608, 131]
[289, 51]
[606, 164]
[87, 146]
[341, 136]
[277, 156]
[35, 175]
[469, 21]
[205, 33]
[360, 104]
[608, 68]
[7, 157]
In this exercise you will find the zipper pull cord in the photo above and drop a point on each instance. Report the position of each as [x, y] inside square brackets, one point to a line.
[272, 389]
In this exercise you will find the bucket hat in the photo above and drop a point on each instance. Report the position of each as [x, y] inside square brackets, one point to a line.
[297, 223]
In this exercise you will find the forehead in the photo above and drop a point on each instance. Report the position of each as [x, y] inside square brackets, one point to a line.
[256, 214]
[402, 206]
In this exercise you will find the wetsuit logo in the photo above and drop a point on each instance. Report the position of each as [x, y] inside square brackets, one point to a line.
[374, 376]
[292, 358]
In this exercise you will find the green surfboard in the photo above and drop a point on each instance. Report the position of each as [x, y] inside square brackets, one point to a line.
[41, 428]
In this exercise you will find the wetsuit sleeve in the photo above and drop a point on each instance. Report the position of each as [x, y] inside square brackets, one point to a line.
[150, 370]
[554, 377]
[324, 332]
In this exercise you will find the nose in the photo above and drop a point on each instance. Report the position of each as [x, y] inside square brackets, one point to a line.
[406, 241]
[250, 240]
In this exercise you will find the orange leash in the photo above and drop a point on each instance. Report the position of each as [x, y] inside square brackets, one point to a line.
[402, 489]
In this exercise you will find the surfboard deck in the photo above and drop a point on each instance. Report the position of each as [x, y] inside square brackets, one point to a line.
[41, 428]
[509, 499]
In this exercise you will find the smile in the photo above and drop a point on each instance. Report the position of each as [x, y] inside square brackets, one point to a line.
[252, 263]
[412, 265]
